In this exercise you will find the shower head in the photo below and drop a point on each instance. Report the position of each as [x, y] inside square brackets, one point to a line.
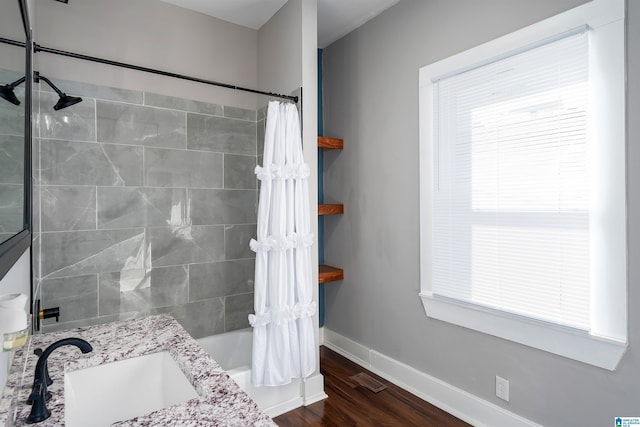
[65, 100]
[6, 91]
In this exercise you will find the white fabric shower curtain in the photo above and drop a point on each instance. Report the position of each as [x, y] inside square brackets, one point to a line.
[283, 335]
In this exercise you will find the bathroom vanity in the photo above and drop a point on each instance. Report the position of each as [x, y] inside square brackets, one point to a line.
[123, 351]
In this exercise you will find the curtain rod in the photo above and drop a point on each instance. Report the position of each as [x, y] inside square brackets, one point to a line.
[12, 42]
[39, 48]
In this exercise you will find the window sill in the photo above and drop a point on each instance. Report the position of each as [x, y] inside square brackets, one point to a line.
[571, 343]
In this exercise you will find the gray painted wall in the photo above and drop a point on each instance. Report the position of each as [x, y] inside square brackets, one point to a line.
[12, 57]
[153, 34]
[280, 43]
[371, 100]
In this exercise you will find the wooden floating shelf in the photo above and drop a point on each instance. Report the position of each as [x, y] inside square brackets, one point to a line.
[330, 274]
[330, 143]
[326, 272]
[330, 209]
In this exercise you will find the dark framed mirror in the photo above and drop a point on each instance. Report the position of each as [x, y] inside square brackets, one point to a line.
[15, 132]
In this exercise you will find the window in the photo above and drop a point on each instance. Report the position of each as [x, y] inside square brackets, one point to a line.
[523, 186]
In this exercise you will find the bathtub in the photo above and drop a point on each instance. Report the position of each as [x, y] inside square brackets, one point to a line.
[232, 350]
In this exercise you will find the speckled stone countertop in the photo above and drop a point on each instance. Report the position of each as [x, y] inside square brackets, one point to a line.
[221, 401]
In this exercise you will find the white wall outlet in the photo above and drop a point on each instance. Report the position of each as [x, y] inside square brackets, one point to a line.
[502, 388]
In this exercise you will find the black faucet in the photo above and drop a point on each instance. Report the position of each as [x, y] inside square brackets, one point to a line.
[38, 396]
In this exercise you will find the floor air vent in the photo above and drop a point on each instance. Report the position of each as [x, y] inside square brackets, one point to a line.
[368, 382]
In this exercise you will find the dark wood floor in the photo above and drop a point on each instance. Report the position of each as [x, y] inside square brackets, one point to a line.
[352, 405]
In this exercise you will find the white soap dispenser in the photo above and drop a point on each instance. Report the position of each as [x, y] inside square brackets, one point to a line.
[13, 321]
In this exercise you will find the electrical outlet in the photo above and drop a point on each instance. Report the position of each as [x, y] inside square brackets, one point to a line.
[502, 388]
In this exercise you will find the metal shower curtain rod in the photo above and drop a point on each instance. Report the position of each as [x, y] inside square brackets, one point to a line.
[39, 48]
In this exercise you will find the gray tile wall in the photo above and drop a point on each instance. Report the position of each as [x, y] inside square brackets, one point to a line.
[144, 203]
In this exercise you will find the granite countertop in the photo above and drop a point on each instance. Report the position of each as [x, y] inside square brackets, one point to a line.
[221, 401]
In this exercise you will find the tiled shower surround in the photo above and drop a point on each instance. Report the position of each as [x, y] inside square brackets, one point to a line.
[144, 203]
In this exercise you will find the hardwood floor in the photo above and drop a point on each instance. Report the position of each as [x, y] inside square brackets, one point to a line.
[352, 405]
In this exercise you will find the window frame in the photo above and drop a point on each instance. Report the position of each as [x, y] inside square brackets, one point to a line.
[606, 343]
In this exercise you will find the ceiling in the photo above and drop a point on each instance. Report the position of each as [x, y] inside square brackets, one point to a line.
[336, 18]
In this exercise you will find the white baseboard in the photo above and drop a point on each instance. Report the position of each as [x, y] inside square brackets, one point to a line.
[313, 389]
[283, 407]
[464, 405]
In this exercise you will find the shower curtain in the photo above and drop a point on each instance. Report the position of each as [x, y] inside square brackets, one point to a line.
[283, 335]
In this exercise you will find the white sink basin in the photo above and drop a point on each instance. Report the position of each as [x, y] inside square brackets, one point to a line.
[118, 391]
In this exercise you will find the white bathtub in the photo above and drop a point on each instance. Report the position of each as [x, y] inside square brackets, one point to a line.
[232, 351]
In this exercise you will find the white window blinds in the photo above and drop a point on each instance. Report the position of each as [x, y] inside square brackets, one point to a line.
[511, 198]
